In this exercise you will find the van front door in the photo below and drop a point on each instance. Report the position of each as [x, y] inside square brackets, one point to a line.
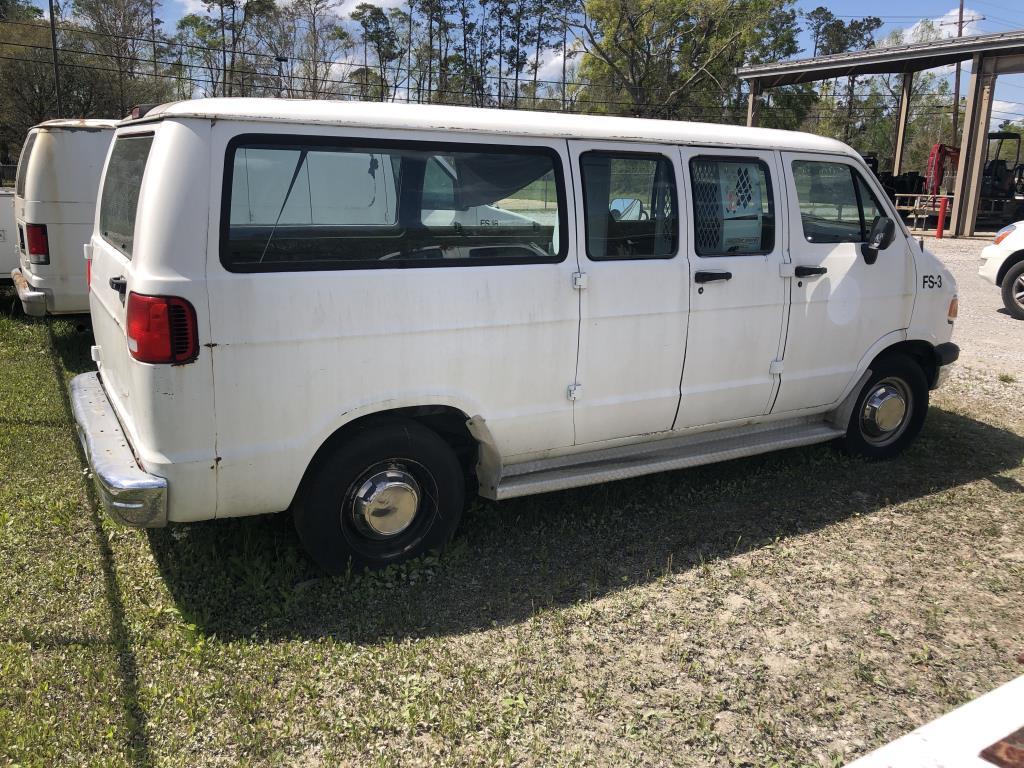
[842, 308]
[632, 290]
[738, 300]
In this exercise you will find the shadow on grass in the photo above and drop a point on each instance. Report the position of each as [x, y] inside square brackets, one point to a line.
[249, 578]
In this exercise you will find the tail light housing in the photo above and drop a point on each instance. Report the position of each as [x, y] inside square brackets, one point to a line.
[161, 329]
[38, 244]
[954, 309]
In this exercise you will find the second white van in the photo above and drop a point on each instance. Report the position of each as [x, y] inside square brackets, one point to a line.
[54, 207]
[367, 313]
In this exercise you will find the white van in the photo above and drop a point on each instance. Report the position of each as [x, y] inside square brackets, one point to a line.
[365, 312]
[54, 207]
[8, 234]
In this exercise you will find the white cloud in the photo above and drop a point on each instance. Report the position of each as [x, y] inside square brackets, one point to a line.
[945, 25]
[1006, 110]
[190, 6]
[347, 6]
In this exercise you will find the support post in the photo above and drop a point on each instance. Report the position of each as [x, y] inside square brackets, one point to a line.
[973, 147]
[901, 122]
[754, 104]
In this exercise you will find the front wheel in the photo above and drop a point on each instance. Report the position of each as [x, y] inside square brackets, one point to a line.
[1013, 291]
[890, 409]
[386, 493]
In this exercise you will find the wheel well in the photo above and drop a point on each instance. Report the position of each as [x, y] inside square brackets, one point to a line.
[1012, 260]
[920, 351]
[448, 422]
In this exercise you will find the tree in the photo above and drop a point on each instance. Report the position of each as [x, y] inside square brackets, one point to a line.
[665, 58]
[383, 39]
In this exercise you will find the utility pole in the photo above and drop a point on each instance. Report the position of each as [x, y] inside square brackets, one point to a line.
[56, 65]
[152, 31]
[956, 76]
[280, 75]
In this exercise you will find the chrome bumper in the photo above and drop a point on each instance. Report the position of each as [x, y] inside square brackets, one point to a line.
[128, 494]
[32, 301]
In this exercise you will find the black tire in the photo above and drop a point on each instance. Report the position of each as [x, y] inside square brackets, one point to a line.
[897, 374]
[328, 507]
[1013, 286]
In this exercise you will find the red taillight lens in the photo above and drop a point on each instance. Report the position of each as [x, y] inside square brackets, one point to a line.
[161, 329]
[88, 274]
[38, 244]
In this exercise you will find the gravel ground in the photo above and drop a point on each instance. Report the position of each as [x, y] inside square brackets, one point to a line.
[988, 336]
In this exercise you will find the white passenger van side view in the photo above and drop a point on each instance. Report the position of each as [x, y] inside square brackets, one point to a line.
[55, 205]
[366, 313]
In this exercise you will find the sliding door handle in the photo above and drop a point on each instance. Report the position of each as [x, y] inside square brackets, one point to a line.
[709, 276]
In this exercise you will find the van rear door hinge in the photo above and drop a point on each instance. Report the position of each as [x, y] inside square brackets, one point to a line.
[574, 392]
[775, 369]
[579, 280]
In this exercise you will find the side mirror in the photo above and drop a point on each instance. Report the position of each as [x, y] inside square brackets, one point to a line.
[883, 232]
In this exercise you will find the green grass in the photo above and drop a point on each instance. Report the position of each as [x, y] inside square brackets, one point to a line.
[793, 609]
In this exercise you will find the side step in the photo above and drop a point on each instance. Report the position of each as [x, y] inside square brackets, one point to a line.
[647, 458]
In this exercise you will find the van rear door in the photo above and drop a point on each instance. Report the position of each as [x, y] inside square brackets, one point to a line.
[112, 248]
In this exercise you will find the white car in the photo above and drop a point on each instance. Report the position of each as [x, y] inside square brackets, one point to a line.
[1002, 263]
[364, 312]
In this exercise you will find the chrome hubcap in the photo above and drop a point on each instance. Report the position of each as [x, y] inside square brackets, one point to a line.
[386, 502]
[1018, 290]
[884, 415]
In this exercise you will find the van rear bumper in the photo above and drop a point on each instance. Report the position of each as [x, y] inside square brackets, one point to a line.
[129, 495]
[33, 301]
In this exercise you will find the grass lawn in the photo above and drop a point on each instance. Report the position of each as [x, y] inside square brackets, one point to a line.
[792, 609]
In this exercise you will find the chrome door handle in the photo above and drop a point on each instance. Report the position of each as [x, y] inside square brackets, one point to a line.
[708, 276]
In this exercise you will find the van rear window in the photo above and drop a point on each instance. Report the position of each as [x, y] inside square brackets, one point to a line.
[120, 201]
[301, 204]
[19, 184]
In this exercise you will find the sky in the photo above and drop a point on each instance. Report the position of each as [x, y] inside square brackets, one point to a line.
[981, 17]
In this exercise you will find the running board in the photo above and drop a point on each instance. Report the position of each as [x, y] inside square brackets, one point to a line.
[646, 458]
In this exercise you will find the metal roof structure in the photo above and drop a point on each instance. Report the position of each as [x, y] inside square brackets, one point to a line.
[911, 57]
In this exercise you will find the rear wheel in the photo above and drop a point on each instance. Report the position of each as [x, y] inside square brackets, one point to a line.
[387, 493]
[1013, 291]
[890, 409]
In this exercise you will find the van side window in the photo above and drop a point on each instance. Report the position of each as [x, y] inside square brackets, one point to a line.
[325, 204]
[630, 206]
[121, 186]
[26, 151]
[733, 209]
[836, 204]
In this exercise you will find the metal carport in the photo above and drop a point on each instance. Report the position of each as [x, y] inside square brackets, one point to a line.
[990, 56]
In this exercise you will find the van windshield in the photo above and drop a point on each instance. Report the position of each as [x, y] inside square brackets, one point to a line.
[19, 185]
[121, 186]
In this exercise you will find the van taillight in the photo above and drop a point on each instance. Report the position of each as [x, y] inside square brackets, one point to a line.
[38, 244]
[161, 329]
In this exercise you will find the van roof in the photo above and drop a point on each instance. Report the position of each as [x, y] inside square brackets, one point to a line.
[78, 124]
[357, 114]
